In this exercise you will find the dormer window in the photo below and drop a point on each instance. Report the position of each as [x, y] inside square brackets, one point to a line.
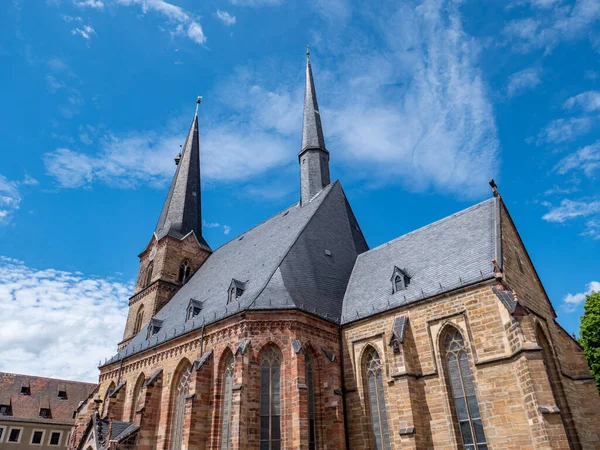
[5, 406]
[154, 327]
[184, 271]
[236, 290]
[193, 309]
[45, 413]
[25, 388]
[400, 280]
[62, 391]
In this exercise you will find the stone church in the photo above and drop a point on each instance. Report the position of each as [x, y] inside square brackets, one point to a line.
[297, 335]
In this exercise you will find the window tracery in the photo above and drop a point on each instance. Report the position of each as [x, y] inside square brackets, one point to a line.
[226, 414]
[270, 401]
[181, 391]
[376, 397]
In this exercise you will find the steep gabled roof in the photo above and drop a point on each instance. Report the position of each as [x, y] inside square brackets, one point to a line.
[301, 258]
[445, 255]
[43, 394]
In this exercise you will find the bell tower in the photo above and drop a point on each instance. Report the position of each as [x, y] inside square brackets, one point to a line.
[177, 248]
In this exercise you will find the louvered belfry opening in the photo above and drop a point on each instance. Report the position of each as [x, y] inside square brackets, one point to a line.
[270, 400]
[378, 412]
[463, 392]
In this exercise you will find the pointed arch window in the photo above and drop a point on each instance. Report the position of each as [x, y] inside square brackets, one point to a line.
[136, 400]
[312, 416]
[184, 271]
[462, 388]
[180, 393]
[270, 401]
[376, 397]
[226, 412]
[139, 320]
[149, 274]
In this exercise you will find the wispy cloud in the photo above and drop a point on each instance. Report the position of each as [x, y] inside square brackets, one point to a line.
[569, 209]
[226, 228]
[11, 196]
[586, 160]
[50, 315]
[95, 4]
[588, 101]
[183, 22]
[564, 130]
[571, 302]
[256, 3]
[86, 32]
[225, 17]
[546, 27]
[521, 81]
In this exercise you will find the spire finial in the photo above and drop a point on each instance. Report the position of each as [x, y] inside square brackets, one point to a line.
[307, 52]
[198, 101]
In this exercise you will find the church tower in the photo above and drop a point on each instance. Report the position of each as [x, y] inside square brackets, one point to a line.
[177, 248]
[314, 157]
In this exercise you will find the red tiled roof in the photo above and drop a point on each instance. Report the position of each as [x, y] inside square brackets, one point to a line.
[43, 393]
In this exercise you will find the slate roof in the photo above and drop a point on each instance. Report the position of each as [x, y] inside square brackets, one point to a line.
[43, 391]
[283, 263]
[312, 130]
[445, 255]
[182, 212]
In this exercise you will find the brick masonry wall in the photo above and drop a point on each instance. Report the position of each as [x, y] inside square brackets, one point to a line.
[573, 387]
[416, 389]
[203, 425]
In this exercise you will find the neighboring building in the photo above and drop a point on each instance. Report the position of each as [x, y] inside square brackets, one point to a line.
[37, 413]
[294, 335]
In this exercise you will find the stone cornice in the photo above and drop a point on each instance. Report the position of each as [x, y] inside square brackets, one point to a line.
[152, 287]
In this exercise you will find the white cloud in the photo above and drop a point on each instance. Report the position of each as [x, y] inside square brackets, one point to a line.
[571, 302]
[523, 80]
[95, 4]
[256, 3]
[51, 315]
[226, 228]
[85, 31]
[10, 198]
[552, 23]
[569, 209]
[586, 160]
[564, 130]
[182, 21]
[225, 17]
[588, 101]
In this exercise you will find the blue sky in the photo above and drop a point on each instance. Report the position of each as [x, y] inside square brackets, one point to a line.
[422, 103]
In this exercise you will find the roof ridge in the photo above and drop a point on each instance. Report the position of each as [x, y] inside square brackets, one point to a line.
[432, 224]
[336, 182]
[47, 378]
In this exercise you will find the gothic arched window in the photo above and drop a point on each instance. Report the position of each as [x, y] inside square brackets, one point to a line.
[149, 274]
[376, 397]
[463, 391]
[226, 411]
[139, 320]
[180, 391]
[184, 271]
[270, 401]
[136, 399]
[312, 417]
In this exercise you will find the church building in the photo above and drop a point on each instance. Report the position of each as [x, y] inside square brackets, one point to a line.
[296, 335]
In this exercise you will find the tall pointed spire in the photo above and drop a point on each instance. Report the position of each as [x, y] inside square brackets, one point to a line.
[182, 211]
[314, 157]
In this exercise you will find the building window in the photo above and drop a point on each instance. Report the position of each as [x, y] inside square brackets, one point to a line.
[54, 438]
[236, 289]
[312, 416]
[154, 327]
[136, 400]
[184, 271]
[37, 437]
[193, 309]
[270, 401]
[45, 413]
[14, 435]
[5, 409]
[25, 389]
[149, 274]
[376, 396]
[62, 391]
[462, 389]
[1, 433]
[139, 320]
[400, 280]
[226, 414]
[180, 394]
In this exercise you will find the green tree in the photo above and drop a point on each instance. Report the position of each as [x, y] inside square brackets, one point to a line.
[590, 333]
